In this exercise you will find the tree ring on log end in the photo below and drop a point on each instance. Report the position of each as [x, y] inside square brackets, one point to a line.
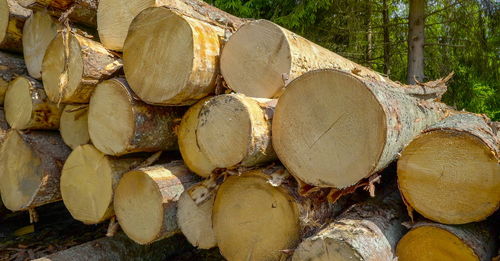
[86, 185]
[161, 71]
[256, 59]
[139, 207]
[4, 19]
[329, 129]
[111, 118]
[54, 65]
[253, 220]
[18, 104]
[224, 130]
[21, 173]
[433, 243]
[325, 249]
[450, 177]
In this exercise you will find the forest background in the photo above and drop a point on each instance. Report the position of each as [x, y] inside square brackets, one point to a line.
[407, 40]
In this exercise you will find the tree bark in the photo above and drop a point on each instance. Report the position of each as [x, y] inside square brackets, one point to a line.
[28, 107]
[416, 40]
[366, 231]
[11, 25]
[235, 130]
[258, 214]
[114, 18]
[73, 66]
[458, 154]
[121, 248]
[148, 216]
[83, 11]
[74, 125]
[11, 66]
[142, 128]
[355, 118]
[32, 165]
[426, 240]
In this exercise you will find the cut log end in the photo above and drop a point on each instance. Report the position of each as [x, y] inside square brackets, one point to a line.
[326, 249]
[39, 30]
[87, 185]
[114, 18]
[4, 19]
[111, 132]
[195, 221]
[18, 104]
[256, 60]
[450, 177]
[254, 220]
[62, 78]
[327, 115]
[434, 243]
[74, 125]
[189, 64]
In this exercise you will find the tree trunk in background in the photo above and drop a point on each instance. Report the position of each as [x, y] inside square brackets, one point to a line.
[387, 40]
[369, 33]
[416, 25]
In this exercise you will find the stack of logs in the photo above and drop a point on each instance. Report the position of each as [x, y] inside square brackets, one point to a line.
[278, 137]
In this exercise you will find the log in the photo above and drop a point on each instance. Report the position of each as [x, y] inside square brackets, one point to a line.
[190, 150]
[31, 164]
[194, 216]
[38, 31]
[333, 128]
[88, 181]
[121, 248]
[84, 11]
[134, 126]
[366, 231]
[145, 201]
[451, 172]
[433, 241]
[11, 66]
[73, 65]
[4, 126]
[114, 18]
[189, 64]
[235, 130]
[74, 125]
[28, 107]
[259, 213]
[12, 18]
[271, 56]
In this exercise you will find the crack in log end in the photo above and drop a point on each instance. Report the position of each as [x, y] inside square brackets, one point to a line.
[327, 130]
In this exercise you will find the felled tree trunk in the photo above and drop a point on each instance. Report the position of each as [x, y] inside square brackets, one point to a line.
[133, 126]
[74, 125]
[31, 164]
[451, 172]
[11, 66]
[88, 181]
[333, 128]
[12, 18]
[189, 64]
[73, 66]
[145, 201]
[114, 18]
[258, 214]
[366, 231]
[433, 241]
[236, 130]
[27, 106]
[190, 150]
[83, 11]
[194, 216]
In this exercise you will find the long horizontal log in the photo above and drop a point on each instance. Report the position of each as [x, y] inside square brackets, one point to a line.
[333, 128]
[451, 172]
[31, 164]
[11, 66]
[12, 18]
[82, 11]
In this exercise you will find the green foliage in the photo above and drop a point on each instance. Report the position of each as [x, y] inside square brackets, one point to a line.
[461, 36]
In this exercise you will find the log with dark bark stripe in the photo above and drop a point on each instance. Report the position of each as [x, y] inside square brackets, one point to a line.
[82, 11]
[12, 18]
[451, 172]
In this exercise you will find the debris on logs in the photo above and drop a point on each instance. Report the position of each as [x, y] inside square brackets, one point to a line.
[120, 123]
[451, 172]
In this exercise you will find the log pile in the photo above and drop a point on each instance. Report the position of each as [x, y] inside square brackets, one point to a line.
[278, 137]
